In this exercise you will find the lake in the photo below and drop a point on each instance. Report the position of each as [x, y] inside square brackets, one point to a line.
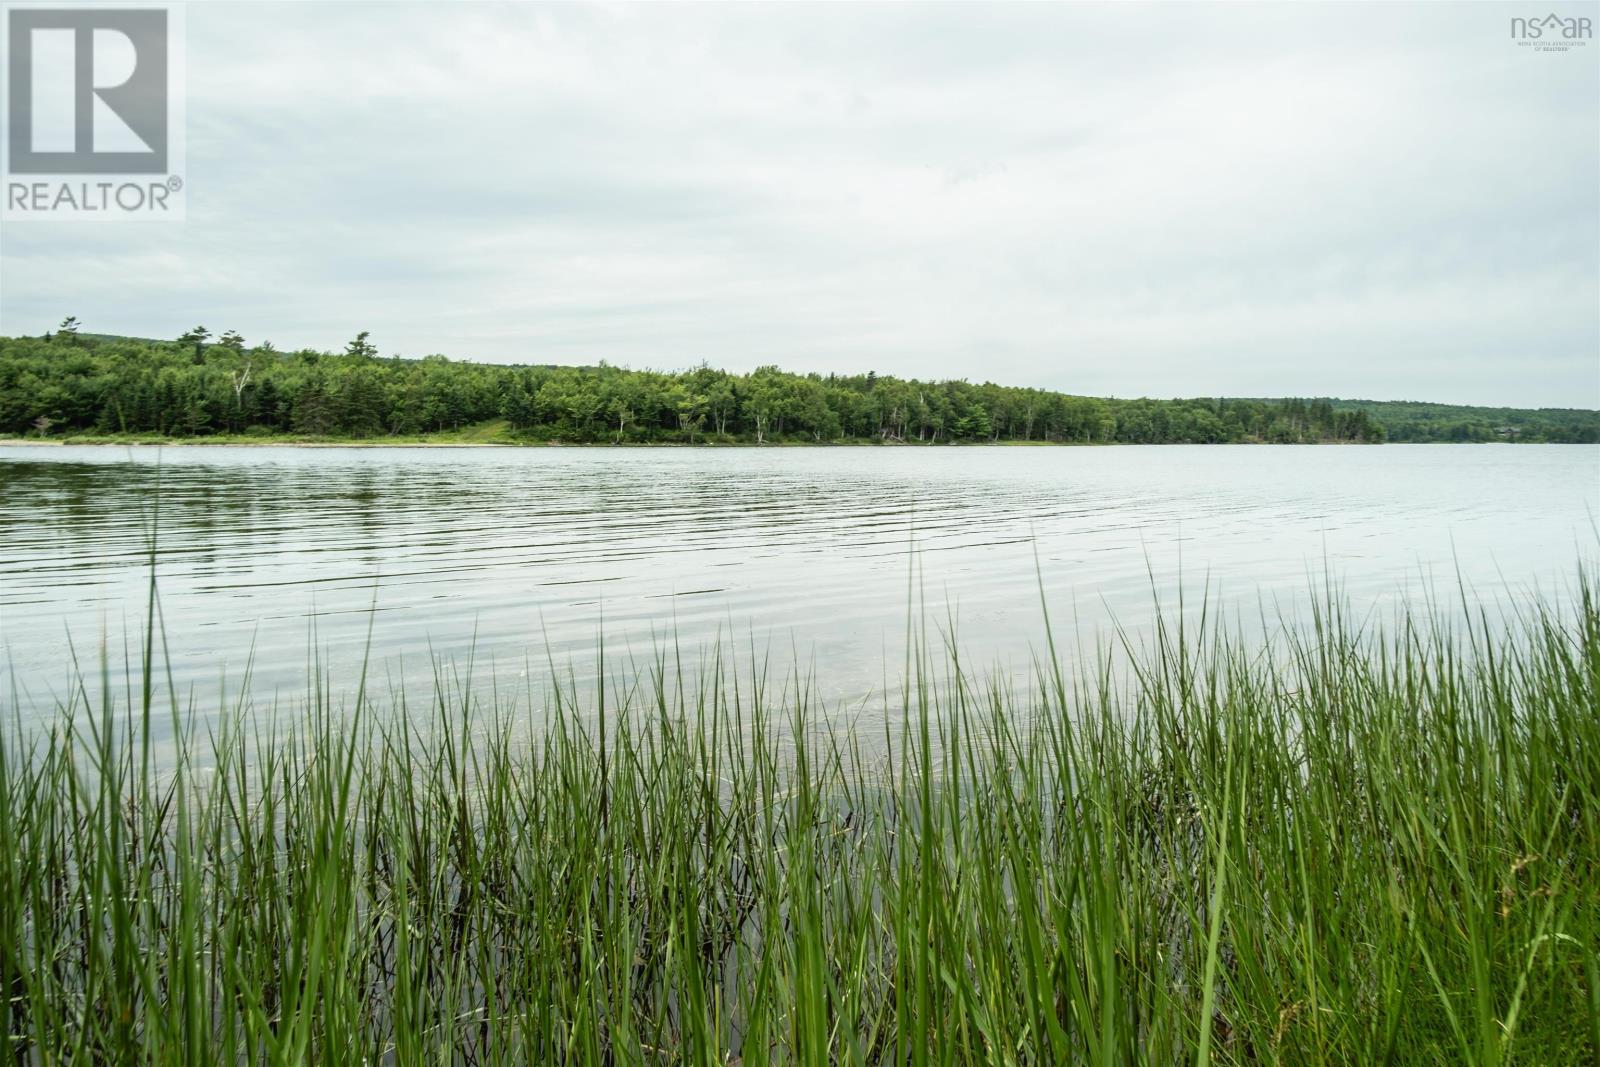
[514, 558]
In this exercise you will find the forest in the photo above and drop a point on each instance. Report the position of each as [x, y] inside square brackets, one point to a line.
[74, 384]
[1406, 420]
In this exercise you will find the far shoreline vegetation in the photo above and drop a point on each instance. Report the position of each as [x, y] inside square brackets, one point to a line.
[74, 387]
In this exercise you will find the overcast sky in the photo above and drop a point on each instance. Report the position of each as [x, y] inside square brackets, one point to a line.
[1355, 200]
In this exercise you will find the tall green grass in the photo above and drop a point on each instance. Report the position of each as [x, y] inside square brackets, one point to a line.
[1340, 845]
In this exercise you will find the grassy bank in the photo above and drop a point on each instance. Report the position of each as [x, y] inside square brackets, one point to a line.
[1346, 847]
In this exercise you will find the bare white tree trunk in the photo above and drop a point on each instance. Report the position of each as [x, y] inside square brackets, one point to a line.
[239, 382]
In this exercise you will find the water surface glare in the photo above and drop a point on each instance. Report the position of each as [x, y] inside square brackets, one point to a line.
[516, 554]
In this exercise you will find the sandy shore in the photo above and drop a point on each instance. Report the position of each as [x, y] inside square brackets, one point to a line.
[34, 442]
[271, 442]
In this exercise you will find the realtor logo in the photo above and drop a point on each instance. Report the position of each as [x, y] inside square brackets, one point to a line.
[92, 93]
[81, 99]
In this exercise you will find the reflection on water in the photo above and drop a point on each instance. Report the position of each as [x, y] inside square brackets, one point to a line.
[513, 553]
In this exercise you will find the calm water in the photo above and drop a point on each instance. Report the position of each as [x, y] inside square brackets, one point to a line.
[805, 554]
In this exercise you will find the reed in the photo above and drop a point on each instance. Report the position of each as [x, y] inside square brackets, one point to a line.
[1339, 844]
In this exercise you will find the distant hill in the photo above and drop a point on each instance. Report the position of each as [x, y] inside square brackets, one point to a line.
[1411, 420]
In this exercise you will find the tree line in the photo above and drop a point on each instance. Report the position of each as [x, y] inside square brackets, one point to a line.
[1406, 420]
[200, 384]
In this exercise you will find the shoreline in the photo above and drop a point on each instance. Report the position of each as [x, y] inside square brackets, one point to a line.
[291, 442]
[25, 442]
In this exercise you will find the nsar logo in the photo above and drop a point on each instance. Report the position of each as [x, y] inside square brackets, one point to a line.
[1553, 33]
